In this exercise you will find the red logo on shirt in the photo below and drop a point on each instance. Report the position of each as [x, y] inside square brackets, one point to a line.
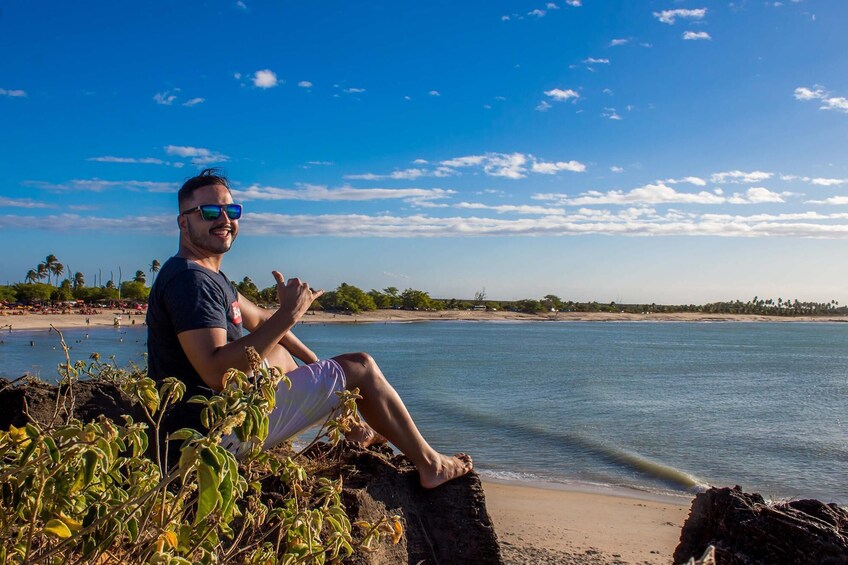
[236, 312]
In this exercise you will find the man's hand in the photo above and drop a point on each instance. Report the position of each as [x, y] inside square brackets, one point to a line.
[295, 295]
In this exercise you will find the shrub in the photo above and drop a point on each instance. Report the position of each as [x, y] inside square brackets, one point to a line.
[73, 491]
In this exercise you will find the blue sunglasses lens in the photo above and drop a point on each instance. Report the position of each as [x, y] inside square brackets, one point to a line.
[233, 211]
[212, 212]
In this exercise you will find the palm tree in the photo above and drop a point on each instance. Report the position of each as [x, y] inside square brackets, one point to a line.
[154, 268]
[57, 269]
[49, 261]
[31, 276]
[140, 277]
[41, 271]
[79, 280]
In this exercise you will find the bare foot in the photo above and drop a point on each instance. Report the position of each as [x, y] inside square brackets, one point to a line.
[445, 469]
[365, 436]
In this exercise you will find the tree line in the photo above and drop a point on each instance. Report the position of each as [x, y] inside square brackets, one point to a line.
[348, 298]
[74, 287]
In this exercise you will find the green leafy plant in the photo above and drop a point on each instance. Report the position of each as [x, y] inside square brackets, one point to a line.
[73, 492]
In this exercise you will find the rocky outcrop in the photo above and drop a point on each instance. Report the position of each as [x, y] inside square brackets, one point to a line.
[449, 524]
[745, 530]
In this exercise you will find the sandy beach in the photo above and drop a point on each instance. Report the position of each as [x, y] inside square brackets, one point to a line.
[547, 525]
[37, 321]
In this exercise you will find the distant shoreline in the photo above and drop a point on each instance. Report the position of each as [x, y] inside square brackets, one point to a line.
[31, 321]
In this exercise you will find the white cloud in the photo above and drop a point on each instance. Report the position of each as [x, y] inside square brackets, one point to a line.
[828, 182]
[837, 103]
[837, 200]
[198, 155]
[469, 161]
[660, 193]
[611, 114]
[594, 61]
[13, 93]
[240, 4]
[657, 193]
[804, 93]
[194, 102]
[551, 6]
[695, 35]
[551, 168]
[758, 195]
[434, 93]
[354, 90]
[575, 3]
[507, 165]
[513, 165]
[509, 208]
[543, 106]
[304, 84]
[266, 78]
[98, 185]
[619, 41]
[740, 177]
[561, 95]
[697, 181]
[617, 169]
[237, 76]
[671, 16]
[405, 174]
[505, 18]
[320, 163]
[23, 203]
[630, 221]
[537, 12]
[319, 193]
[134, 160]
[165, 98]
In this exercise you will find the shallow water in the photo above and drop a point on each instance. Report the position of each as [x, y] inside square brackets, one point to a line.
[655, 406]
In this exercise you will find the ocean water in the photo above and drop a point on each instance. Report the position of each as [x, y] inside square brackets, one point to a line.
[659, 407]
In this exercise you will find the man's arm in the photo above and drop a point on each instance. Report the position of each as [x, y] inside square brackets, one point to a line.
[253, 317]
[210, 354]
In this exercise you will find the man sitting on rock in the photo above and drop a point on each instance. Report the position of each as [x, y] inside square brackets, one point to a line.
[195, 324]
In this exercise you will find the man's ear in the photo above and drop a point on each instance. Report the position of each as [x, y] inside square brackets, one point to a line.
[182, 223]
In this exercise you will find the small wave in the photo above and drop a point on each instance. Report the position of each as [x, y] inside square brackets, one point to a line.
[611, 453]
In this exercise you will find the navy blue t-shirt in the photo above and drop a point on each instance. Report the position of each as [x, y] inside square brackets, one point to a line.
[186, 296]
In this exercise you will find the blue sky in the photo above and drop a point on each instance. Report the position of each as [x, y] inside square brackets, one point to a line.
[673, 151]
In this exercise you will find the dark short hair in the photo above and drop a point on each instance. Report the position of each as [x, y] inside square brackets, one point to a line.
[206, 177]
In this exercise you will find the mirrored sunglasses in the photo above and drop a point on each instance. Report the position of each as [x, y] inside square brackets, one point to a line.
[210, 212]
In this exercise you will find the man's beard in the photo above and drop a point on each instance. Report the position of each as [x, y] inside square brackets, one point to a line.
[203, 239]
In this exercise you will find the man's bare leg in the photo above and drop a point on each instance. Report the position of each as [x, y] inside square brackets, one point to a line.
[384, 411]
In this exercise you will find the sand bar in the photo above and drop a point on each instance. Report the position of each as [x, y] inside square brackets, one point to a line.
[36, 321]
[542, 525]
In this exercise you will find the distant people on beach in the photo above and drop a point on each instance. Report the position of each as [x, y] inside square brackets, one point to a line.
[196, 319]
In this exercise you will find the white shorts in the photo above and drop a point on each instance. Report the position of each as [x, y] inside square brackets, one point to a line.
[310, 401]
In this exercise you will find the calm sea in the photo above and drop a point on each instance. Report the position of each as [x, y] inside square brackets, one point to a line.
[660, 407]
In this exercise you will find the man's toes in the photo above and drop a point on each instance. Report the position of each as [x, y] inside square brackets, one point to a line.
[466, 460]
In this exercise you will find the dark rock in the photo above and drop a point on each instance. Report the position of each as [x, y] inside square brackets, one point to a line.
[745, 530]
[38, 399]
[448, 524]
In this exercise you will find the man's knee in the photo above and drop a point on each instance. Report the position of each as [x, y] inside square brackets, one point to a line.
[360, 361]
[358, 367]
